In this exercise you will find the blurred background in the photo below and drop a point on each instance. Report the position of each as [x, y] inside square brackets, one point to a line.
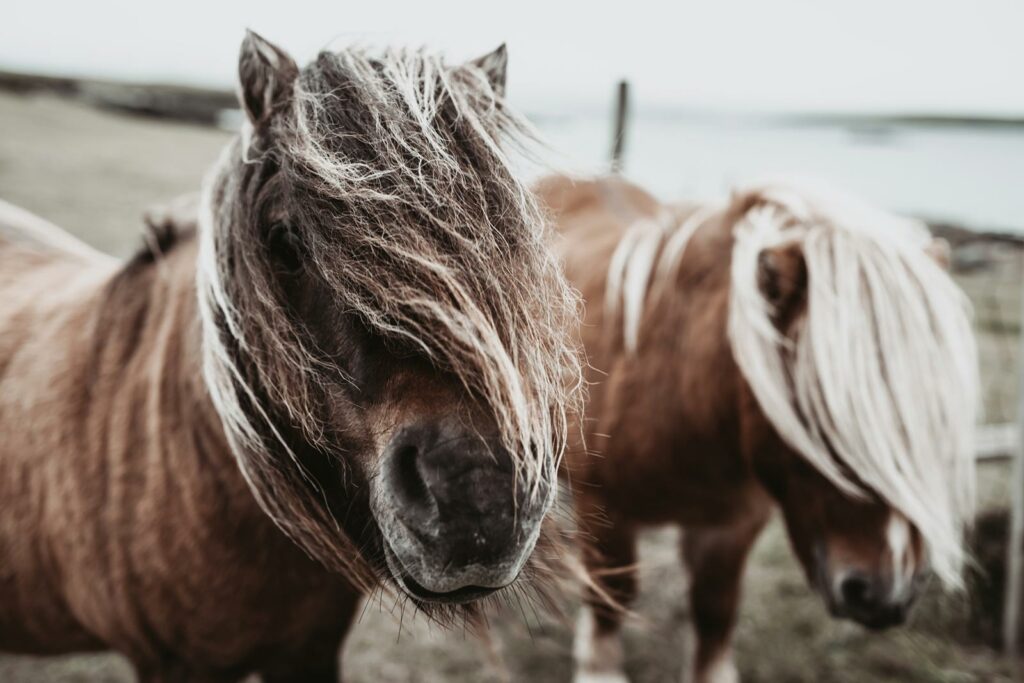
[108, 108]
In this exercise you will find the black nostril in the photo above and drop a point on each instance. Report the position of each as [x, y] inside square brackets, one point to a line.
[455, 491]
[408, 479]
[857, 591]
[864, 598]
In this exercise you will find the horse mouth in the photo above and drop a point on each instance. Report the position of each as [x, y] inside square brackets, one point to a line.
[421, 593]
[458, 596]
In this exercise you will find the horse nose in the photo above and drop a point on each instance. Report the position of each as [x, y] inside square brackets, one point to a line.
[868, 600]
[456, 492]
[857, 591]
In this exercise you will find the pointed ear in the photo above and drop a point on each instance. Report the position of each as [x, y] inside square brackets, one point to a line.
[265, 75]
[782, 278]
[494, 65]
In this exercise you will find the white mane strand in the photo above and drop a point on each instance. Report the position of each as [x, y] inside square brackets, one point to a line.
[650, 250]
[629, 274]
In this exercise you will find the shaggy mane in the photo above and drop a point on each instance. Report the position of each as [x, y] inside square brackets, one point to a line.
[409, 209]
[879, 376]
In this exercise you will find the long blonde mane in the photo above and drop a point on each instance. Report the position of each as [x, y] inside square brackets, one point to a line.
[878, 379]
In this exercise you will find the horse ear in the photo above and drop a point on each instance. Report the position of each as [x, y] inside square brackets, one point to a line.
[265, 76]
[494, 65]
[782, 279]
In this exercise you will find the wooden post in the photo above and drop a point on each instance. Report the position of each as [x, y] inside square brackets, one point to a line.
[1012, 644]
[619, 132]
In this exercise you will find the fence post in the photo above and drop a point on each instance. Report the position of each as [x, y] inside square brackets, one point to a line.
[1015, 544]
[619, 131]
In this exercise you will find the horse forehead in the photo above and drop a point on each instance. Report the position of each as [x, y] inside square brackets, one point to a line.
[889, 534]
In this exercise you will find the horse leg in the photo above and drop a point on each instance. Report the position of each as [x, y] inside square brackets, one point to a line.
[320, 665]
[178, 673]
[715, 558]
[319, 661]
[610, 557]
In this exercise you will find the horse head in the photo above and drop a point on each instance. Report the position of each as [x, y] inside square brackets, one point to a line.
[384, 329]
[861, 393]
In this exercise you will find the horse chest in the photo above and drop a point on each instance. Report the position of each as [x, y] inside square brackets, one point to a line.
[180, 564]
[224, 588]
[697, 483]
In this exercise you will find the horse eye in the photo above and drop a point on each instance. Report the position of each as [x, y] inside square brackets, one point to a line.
[284, 246]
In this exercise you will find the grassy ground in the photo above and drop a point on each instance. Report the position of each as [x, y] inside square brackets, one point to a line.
[94, 173]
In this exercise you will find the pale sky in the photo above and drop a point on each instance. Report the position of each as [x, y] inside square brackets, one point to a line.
[937, 56]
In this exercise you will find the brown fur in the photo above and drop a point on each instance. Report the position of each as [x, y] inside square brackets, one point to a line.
[127, 522]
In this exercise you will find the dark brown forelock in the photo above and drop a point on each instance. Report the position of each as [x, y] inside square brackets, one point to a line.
[413, 215]
[389, 168]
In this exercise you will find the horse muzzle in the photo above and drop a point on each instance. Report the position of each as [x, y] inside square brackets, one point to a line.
[874, 601]
[457, 521]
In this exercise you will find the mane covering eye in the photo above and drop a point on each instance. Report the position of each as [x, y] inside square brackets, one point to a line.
[284, 247]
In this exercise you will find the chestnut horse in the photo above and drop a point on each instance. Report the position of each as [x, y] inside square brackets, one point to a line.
[356, 372]
[788, 347]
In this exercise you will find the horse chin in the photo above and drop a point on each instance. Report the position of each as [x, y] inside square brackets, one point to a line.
[877, 620]
[425, 597]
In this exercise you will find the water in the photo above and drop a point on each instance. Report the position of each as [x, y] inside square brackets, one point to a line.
[970, 175]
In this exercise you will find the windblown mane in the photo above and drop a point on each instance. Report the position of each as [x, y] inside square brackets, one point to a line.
[878, 380]
[411, 212]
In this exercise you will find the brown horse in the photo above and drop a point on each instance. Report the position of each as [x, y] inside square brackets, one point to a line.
[357, 371]
[788, 347]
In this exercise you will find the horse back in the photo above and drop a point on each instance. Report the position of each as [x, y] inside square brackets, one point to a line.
[47, 286]
[600, 204]
[18, 226]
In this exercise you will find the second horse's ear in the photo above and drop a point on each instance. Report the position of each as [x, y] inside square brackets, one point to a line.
[495, 66]
[782, 279]
[266, 74]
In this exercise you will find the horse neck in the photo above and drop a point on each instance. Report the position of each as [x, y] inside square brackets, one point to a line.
[146, 380]
[713, 397]
[682, 378]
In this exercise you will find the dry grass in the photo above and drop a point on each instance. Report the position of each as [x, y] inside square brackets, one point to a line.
[94, 173]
